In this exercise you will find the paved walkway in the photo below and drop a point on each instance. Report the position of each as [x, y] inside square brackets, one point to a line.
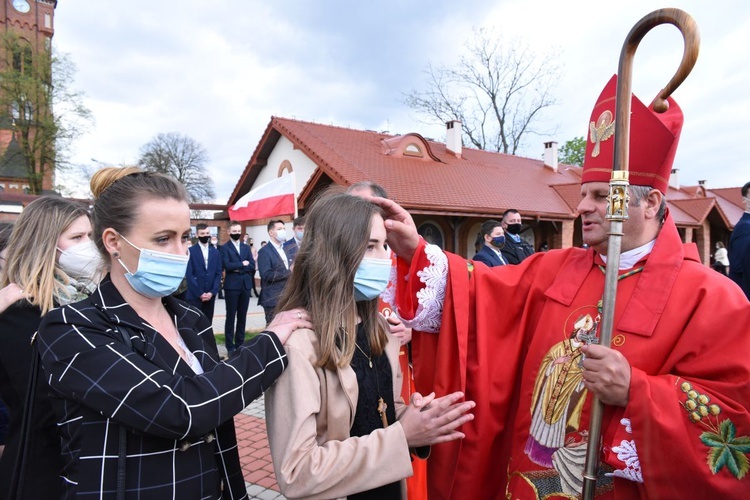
[250, 424]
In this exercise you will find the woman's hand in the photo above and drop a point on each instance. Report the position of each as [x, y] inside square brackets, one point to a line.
[287, 321]
[9, 295]
[429, 420]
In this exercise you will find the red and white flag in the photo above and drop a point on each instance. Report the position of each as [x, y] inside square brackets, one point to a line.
[267, 200]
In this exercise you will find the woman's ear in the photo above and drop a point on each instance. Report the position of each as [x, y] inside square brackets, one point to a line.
[111, 240]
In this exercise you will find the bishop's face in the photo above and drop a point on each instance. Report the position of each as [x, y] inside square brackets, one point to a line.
[595, 226]
[593, 210]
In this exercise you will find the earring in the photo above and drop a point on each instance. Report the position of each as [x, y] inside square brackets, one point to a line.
[116, 255]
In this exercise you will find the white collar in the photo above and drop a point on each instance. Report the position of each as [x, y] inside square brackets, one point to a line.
[631, 257]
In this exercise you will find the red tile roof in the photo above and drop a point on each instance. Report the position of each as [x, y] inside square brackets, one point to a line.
[478, 183]
[697, 208]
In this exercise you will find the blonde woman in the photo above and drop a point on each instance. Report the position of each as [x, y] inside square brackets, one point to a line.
[49, 241]
[145, 406]
[337, 426]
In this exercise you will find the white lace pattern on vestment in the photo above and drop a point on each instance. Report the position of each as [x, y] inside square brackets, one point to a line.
[430, 298]
[628, 454]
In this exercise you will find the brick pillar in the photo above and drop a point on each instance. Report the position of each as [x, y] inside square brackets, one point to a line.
[567, 234]
[703, 241]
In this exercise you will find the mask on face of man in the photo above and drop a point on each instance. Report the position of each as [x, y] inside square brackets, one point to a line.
[299, 235]
[204, 239]
[235, 237]
[513, 228]
[281, 235]
[498, 242]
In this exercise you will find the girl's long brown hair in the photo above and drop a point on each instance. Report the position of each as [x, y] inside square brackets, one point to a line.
[337, 231]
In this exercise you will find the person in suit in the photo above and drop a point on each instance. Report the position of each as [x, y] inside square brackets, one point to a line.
[494, 239]
[337, 425]
[203, 273]
[516, 249]
[292, 244]
[135, 376]
[273, 265]
[254, 251]
[239, 268]
[739, 246]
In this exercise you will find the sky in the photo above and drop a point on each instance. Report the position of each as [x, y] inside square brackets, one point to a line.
[218, 70]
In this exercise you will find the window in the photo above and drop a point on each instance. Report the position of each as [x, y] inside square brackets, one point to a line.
[22, 58]
[431, 233]
[48, 20]
[412, 149]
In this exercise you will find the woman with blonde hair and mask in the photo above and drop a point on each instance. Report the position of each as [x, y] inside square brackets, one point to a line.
[49, 261]
[145, 405]
[337, 426]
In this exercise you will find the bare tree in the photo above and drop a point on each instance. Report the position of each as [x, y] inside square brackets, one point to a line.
[497, 91]
[33, 84]
[184, 159]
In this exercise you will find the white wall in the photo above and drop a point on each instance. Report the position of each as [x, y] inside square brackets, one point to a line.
[303, 168]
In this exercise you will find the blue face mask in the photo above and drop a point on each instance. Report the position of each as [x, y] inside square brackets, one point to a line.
[159, 274]
[371, 278]
[498, 241]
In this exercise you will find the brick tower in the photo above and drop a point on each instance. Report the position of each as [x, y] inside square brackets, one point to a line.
[32, 21]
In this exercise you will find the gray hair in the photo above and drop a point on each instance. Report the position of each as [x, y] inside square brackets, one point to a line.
[638, 193]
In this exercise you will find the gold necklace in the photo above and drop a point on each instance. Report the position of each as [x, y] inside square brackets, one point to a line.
[382, 405]
[364, 353]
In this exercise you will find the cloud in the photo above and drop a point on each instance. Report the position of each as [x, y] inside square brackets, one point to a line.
[217, 71]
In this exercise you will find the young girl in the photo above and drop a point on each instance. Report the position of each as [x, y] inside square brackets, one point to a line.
[336, 425]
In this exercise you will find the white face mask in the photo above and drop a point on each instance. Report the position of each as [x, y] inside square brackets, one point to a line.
[281, 235]
[81, 261]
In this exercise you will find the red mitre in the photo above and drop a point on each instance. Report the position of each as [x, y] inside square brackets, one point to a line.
[653, 141]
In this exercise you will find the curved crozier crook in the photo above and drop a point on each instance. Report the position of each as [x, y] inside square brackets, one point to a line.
[690, 35]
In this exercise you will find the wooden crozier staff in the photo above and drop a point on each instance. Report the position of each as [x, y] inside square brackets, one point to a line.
[618, 199]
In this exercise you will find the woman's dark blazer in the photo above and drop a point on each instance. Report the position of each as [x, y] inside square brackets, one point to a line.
[180, 430]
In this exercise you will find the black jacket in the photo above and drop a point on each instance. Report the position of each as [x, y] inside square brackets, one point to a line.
[17, 325]
[515, 253]
[167, 409]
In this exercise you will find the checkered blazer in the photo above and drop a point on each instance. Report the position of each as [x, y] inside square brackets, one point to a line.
[181, 440]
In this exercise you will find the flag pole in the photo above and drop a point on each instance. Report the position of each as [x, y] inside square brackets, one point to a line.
[618, 198]
[294, 188]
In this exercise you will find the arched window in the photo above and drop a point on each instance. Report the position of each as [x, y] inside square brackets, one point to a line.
[432, 233]
[286, 166]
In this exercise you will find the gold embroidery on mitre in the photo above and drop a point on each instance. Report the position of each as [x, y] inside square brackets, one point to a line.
[619, 340]
[600, 131]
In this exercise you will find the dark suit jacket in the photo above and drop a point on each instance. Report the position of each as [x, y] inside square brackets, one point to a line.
[488, 256]
[739, 254]
[238, 277]
[514, 252]
[99, 384]
[42, 478]
[273, 275]
[202, 279]
[290, 249]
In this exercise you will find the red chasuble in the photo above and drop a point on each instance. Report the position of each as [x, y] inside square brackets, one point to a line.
[510, 339]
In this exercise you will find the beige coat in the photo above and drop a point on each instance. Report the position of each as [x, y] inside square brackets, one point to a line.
[309, 411]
